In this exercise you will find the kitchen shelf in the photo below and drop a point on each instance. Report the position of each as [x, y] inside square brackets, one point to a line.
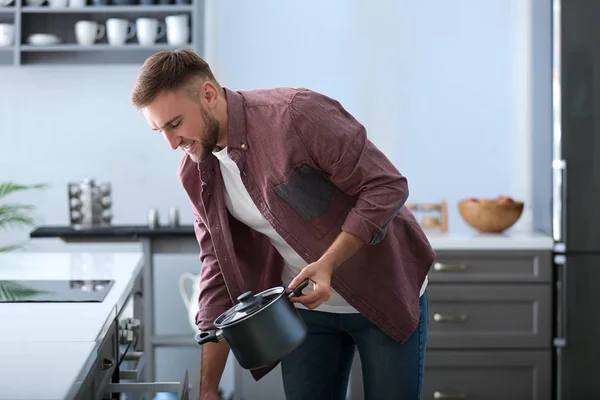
[60, 21]
[98, 47]
[7, 55]
[141, 9]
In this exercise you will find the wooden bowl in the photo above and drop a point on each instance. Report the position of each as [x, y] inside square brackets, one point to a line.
[489, 216]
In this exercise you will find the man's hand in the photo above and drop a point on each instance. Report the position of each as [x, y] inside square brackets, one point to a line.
[319, 273]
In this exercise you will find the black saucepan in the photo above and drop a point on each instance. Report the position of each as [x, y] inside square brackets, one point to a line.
[261, 329]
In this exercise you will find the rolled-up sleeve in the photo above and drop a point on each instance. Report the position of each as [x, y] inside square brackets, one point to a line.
[214, 297]
[338, 145]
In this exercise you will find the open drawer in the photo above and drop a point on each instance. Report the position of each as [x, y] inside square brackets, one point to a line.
[130, 376]
[135, 389]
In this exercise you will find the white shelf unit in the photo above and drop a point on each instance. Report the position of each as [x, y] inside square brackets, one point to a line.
[61, 22]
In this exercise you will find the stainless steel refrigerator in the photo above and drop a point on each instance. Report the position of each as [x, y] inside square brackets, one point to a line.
[576, 197]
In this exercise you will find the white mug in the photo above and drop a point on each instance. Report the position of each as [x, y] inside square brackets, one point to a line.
[7, 35]
[58, 3]
[87, 32]
[178, 29]
[149, 30]
[119, 31]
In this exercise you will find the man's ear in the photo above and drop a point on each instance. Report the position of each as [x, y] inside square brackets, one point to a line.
[209, 94]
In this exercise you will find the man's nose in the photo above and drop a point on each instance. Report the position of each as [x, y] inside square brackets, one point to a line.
[174, 141]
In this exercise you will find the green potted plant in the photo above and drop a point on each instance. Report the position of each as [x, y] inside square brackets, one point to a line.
[15, 214]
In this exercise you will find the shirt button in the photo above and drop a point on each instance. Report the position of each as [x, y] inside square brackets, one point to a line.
[243, 145]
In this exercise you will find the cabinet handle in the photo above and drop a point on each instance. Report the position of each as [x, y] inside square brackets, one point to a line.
[449, 267]
[437, 317]
[106, 364]
[440, 395]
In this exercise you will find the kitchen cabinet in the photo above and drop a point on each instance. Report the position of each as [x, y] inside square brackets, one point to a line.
[60, 21]
[80, 346]
[492, 293]
[119, 361]
[490, 326]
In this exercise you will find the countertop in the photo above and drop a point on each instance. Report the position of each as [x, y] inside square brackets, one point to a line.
[480, 241]
[440, 241]
[46, 347]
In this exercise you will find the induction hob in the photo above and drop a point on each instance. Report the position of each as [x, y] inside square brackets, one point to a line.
[54, 291]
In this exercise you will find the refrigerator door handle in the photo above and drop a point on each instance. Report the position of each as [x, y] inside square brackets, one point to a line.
[559, 203]
[560, 340]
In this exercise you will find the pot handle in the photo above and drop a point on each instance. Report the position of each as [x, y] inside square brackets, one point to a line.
[297, 292]
[209, 336]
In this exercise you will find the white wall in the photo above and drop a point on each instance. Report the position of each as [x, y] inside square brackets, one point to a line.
[63, 124]
[443, 87]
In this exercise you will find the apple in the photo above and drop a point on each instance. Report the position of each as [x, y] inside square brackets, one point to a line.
[504, 200]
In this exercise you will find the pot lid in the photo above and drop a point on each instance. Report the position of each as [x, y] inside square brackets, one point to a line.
[248, 304]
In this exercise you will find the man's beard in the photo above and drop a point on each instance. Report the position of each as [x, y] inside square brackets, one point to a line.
[209, 139]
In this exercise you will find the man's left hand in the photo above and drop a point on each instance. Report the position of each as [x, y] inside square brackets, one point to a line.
[319, 273]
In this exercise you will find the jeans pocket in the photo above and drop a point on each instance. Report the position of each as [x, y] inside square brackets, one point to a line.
[307, 193]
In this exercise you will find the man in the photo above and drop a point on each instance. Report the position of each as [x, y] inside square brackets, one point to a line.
[285, 185]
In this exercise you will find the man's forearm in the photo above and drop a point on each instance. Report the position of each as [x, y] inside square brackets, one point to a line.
[214, 358]
[343, 247]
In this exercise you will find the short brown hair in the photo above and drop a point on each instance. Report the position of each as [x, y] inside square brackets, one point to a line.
[169, 71]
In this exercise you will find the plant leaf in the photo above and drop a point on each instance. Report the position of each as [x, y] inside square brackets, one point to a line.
[17, 219]
[11, 291]
[11, 187]
[10, 247]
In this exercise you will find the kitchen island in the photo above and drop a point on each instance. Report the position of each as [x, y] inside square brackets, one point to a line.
[490, 304]
[66, 342]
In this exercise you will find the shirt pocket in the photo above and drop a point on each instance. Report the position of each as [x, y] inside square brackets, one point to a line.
[312, 198]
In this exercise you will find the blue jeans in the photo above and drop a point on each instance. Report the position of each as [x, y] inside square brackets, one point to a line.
[320, 368]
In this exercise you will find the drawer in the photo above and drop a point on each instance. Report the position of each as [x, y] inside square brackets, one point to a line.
[151, 389]
[492, 266]
[487, 375]
[103, 368]
[489, 316]
[107, 361]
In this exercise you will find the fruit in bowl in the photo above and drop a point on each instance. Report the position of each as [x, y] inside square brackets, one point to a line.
[490, 215]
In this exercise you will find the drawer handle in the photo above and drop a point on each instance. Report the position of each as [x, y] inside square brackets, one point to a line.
[449, 318]
[106, 364]
[440, 395]
[449, 267]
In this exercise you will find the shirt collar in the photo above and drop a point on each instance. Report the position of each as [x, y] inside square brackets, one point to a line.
[236, 120]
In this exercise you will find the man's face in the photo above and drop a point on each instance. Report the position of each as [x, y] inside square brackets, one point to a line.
[185, 123]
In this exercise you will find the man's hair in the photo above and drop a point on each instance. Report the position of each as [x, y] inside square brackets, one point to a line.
[170, 71]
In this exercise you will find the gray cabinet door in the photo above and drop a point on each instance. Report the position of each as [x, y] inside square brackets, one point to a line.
[487, 375]
[489, 316]
[492, 266]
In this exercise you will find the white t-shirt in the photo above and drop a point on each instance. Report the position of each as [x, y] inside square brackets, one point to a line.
[241, 207]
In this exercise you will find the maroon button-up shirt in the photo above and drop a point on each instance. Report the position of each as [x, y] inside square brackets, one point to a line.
[312, 172]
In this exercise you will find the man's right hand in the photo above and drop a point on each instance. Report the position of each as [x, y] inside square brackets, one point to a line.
[214, 358]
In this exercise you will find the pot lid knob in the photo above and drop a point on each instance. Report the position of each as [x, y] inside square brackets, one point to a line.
[247, 301]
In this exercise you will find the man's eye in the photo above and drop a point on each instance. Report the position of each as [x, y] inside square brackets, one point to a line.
[175, 125]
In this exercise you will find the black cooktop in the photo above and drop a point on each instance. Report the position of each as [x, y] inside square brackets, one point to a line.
[54, 291]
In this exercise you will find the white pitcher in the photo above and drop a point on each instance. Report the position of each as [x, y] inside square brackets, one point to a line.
[190, 300]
